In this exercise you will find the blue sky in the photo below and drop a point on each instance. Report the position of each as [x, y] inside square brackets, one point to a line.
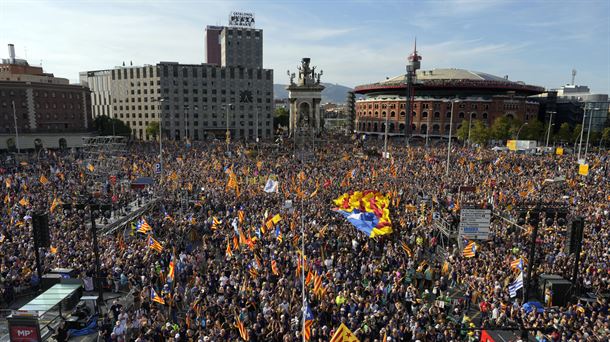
[354, 42]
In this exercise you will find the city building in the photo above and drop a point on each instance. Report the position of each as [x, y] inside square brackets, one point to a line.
[570, 102]
[197, 101]
[38, 110]
[481, 96]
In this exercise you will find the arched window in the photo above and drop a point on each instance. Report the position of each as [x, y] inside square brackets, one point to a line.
[424, 114]
[423, 129]
[391, 127]
[375, 127]
[485, 116]
[383, 114]
[37, 144]
[376, 114]
[413, 114]
[413, 127]
[436, 129]
[448, 115]
[447, 128]
[392, 114]
[401, 127]
[461, 115]
[402, 113]
[10, 144]
[437, 114]
[473, 115]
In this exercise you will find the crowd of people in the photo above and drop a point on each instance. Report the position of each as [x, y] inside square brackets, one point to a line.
[232, 259]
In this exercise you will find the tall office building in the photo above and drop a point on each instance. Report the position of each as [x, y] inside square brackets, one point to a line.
[199, 100]
[212, 44]
[241, 47]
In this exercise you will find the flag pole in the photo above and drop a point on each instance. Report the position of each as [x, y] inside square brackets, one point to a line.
[303, 254]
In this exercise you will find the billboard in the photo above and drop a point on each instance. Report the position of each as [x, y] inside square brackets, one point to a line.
[241, 19]
[474, 224]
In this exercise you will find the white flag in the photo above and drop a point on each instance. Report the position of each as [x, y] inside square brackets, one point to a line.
[271, 185]
[516, 285]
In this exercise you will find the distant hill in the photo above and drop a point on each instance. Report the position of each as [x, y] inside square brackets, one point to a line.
[334, 93]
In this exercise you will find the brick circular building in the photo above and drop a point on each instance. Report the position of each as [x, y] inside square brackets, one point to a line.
[481, 96]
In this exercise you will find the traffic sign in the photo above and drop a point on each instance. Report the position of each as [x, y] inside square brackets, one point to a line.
[158, 168]
[474, 224]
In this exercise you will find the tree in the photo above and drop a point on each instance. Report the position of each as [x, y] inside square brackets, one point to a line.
[479, 133]
[106, 125]
[462, 132]
[534, 130]
[153, 129]
[576, 133]
[564, 133]
[606, 135]
[281, 117]
[500, 129]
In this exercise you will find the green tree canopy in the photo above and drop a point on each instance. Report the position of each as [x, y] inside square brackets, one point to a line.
[501, 128]
[564, 133]
[281, 117]
[153, 129]
[106, 125]
[576, 132]
[462, 132]
[534, 130]
[479, 133]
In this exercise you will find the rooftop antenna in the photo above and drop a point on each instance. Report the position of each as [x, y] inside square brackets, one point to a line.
[25, 52]
[573, 75]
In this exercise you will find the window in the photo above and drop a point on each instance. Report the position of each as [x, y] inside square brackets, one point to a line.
[437, 114]
[448, 115]
[484, 115]
[461, 115]
[424, 114]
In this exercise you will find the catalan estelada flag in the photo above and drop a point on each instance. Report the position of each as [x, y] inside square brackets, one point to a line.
[308, 323]
[215, 223]
[155, 297]
[343, 334]
[278, 234]
[519, 263]
[470, 250]
[406, 248]
[253, 271]
[143, 226]
[228, 252]
[368, 211]
[154, 244]
[43, 180]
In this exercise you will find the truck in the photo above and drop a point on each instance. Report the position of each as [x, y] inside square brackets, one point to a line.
[521, 145]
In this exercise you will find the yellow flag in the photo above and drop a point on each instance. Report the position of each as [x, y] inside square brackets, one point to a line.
[8, 182]
[24, 202]
[583, 169]
[90, 167]
[343, 334]
[56, 202]
[53, 250]
[43, 180]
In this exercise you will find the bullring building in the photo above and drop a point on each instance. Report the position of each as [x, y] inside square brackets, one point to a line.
[478, 96]
[196, 101]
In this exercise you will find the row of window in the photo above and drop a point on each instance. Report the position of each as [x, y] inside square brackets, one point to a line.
[380, 127]
[436, 105]
[52, 94]
[437, 115]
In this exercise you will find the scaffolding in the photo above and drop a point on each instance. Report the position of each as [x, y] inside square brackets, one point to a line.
[101, 154]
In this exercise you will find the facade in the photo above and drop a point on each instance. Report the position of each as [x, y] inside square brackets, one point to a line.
[241, 46]
[481, 97]
[196, 101]
[212, 45]
[38, 104]
[569, 103]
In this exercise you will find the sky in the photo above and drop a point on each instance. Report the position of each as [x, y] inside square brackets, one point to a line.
[354, 42]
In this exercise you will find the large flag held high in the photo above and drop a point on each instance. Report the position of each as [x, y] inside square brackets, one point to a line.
[368, 211]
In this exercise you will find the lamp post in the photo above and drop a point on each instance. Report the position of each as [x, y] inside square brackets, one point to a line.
[519, 131]
[256, 131]
[385, 140]
[161, 100]
[548, 133]
[582, 126]
[450, 132]
[591, 110]
[16, 131]
[469, 127]
[228, 133]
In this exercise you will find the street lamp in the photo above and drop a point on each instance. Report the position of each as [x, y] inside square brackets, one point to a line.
[449, 144]
[161, 100]
[385, 140]
[228, 133]
[520, 128]
[16, 132]
[469, 127]
[256, 131]
[548, 133]
[591, 110]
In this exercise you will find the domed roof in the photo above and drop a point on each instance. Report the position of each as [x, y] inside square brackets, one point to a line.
[448, 74]
[449, 78]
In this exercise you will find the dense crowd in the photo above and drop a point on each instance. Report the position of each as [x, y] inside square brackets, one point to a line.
[232, 268]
